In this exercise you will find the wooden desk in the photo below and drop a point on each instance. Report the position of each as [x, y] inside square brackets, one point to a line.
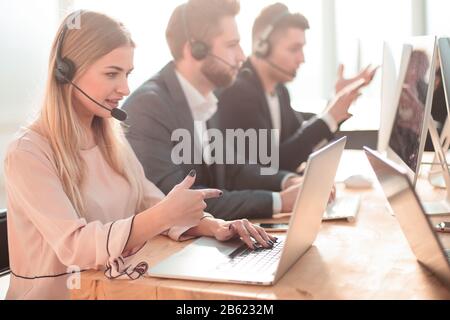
[369, 259]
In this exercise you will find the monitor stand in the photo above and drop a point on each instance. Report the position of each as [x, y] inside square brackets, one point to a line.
[438, 207]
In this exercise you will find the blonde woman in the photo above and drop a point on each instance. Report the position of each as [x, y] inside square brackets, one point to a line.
[77, 195]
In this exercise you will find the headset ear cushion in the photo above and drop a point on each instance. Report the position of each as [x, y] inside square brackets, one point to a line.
[65, 71]
[199, 50]
[262, 48]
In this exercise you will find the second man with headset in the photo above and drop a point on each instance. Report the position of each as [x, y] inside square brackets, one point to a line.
[259, 98]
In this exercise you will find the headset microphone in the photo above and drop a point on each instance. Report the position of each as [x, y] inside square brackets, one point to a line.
[278, 68]
[65, 72]
[200, 49]
[119, 114]
[234, 67]
[116, 113]
[262, 48]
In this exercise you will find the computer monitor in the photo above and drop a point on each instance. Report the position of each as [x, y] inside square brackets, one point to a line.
[395, 61]
[444, 50]
[413, 119]
[440, 110]
[415, 97]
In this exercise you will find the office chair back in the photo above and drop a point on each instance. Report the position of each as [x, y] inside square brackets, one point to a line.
[4, 255]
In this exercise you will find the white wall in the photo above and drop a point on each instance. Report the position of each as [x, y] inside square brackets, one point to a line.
[26, 31]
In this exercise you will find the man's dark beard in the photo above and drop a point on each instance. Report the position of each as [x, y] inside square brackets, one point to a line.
[220, 76]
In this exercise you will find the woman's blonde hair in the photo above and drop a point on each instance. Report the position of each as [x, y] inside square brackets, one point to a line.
[96, 36]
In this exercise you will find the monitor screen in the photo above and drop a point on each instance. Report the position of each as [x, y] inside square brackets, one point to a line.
[408, 127]
[439, 106]
[395, 58]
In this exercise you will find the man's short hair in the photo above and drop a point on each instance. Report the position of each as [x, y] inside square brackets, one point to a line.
[203, 22]
[271, 13]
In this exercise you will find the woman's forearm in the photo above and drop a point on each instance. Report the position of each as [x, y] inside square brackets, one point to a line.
[206, 228]
[147, 225]
[153, 221]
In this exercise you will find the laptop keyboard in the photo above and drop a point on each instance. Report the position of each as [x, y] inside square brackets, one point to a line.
[244, 259]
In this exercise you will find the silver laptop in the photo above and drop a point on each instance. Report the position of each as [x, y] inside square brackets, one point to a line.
[209, 260]
[413, 220]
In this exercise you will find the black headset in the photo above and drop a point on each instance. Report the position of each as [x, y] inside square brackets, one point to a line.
[199, 49]
[65, 68]
[65, 72]
[262, 47]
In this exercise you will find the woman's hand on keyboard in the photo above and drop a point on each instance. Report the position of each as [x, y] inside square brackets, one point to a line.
[243, 229]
